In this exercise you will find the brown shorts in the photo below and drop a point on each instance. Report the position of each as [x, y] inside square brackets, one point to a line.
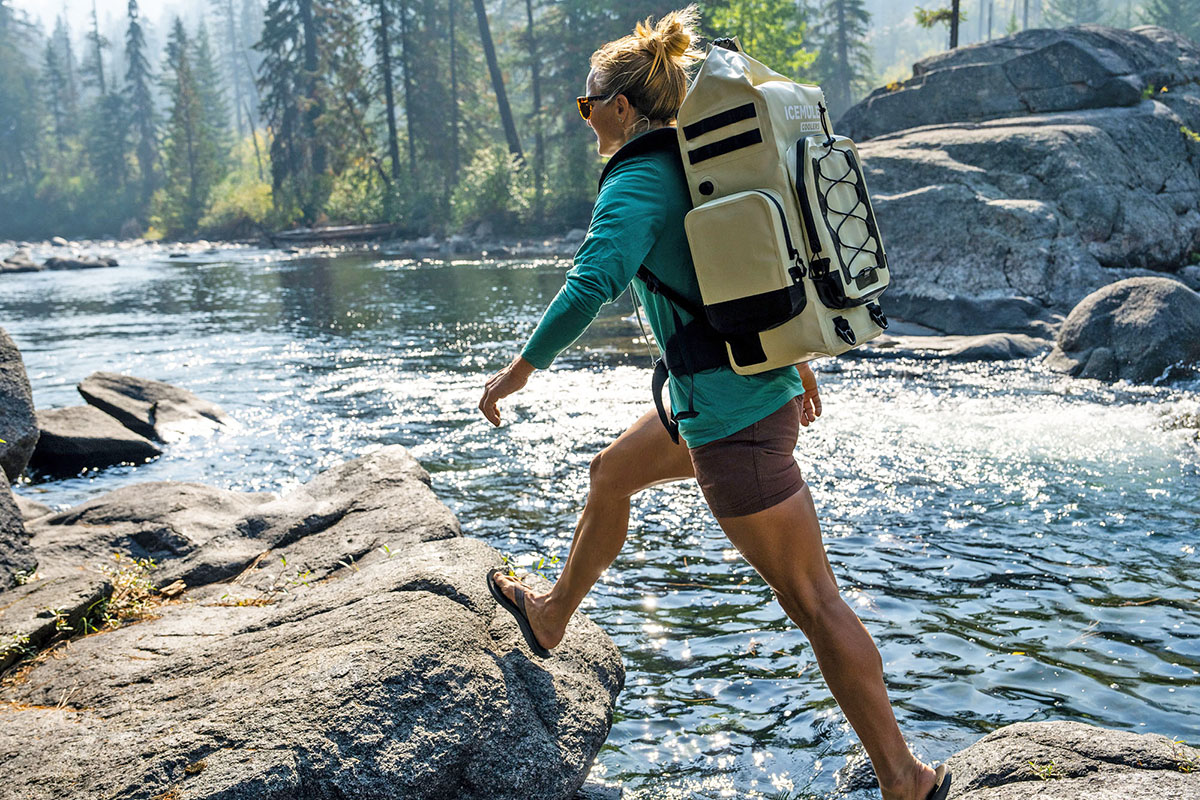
[754, 468]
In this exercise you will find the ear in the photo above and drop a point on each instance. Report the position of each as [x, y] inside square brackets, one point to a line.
[623, 106]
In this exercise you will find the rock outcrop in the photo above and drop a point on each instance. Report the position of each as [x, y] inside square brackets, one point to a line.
[986, 194]
[84, 437]
[1137, 329]
[1074, 761]
[18, 423]
[351, 649]
[1033, 72]
[150, 408]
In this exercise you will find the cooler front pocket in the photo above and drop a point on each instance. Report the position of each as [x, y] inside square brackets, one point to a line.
[749, 269]
[848, 264]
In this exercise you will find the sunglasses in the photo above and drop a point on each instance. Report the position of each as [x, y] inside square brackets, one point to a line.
[586, 104]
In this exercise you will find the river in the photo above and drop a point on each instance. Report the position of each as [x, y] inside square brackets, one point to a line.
[1020, 545]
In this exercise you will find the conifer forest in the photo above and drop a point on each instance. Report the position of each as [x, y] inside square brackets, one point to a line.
[438, 116]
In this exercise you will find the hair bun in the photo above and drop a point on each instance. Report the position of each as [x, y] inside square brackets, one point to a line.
[671, 38]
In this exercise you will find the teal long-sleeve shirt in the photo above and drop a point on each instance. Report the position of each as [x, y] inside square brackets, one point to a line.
[638, 219]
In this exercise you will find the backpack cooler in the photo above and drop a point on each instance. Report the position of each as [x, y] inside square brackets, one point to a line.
[782, 233]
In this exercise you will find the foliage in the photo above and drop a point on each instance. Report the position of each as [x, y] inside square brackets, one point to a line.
[95, 141]
[240, 204]
[495, 188]
[1045, 772]
[772, 31]
[1182, 16]
[927, 18]
[1189, 133]
[843, 64]
[133, 592]
[1059, 13]
[194, 149]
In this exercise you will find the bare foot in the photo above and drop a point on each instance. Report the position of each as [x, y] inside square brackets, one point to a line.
[546, 629]
[916, 785]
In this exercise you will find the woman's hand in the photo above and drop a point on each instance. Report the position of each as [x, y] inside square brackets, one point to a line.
[810, 401]
[508, 380]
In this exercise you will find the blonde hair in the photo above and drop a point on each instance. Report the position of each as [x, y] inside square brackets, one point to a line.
[650, 66]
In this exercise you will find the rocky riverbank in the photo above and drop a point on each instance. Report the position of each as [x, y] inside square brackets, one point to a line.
[1034, 169]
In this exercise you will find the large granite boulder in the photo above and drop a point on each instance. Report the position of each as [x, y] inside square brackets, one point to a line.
[1037, 205]
[1032, 72]
[371, 663]
[84, 437]
[16, 555]
[18, 424]
[1136, 329]
[1074, 761]
[150, 408]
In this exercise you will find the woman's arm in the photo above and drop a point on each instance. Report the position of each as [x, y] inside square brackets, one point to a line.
[627, 220]
[508, 380]
[810, 401]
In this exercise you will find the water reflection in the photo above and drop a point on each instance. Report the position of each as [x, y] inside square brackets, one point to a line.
[1021, 547]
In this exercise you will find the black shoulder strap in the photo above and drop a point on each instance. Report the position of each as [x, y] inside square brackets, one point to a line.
[656, 286]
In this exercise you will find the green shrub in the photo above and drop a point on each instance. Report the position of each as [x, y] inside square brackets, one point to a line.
[495, 188]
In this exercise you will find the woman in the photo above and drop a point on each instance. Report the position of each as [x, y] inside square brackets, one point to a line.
[738, 445]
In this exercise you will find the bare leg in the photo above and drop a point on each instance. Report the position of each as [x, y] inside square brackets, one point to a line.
[784, 544]
[642, 456]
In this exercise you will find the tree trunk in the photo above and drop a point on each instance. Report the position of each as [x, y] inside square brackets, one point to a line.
[406, 65]
[954, 24]
[313, 111]
[231, 32]
[385, 64]
[454, 157]
[539, 160]
[489, 50]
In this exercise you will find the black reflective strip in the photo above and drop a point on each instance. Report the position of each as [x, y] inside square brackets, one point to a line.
[719, 121]
[725, 146]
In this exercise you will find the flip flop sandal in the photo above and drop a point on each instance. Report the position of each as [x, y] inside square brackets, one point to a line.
[517, 609]
[941, 784]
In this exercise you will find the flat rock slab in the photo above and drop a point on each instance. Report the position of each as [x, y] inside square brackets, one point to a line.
[30, 614]
[150, 408]
[84, 437]
[16, 552]
[18, 424]
[200, 534]
[392, 676]
[988, 347]
[1137, 329]
[1079, 761]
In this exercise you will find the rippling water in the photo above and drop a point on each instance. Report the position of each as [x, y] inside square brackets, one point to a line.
[1021, 546]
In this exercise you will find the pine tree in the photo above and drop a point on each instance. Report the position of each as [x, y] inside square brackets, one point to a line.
[195, 145]
[1182, 16]
[1059, 13]
[19, 109]
[93, 68]
[141, 105]
[54, 78]
[311, 82]
[843, 63]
